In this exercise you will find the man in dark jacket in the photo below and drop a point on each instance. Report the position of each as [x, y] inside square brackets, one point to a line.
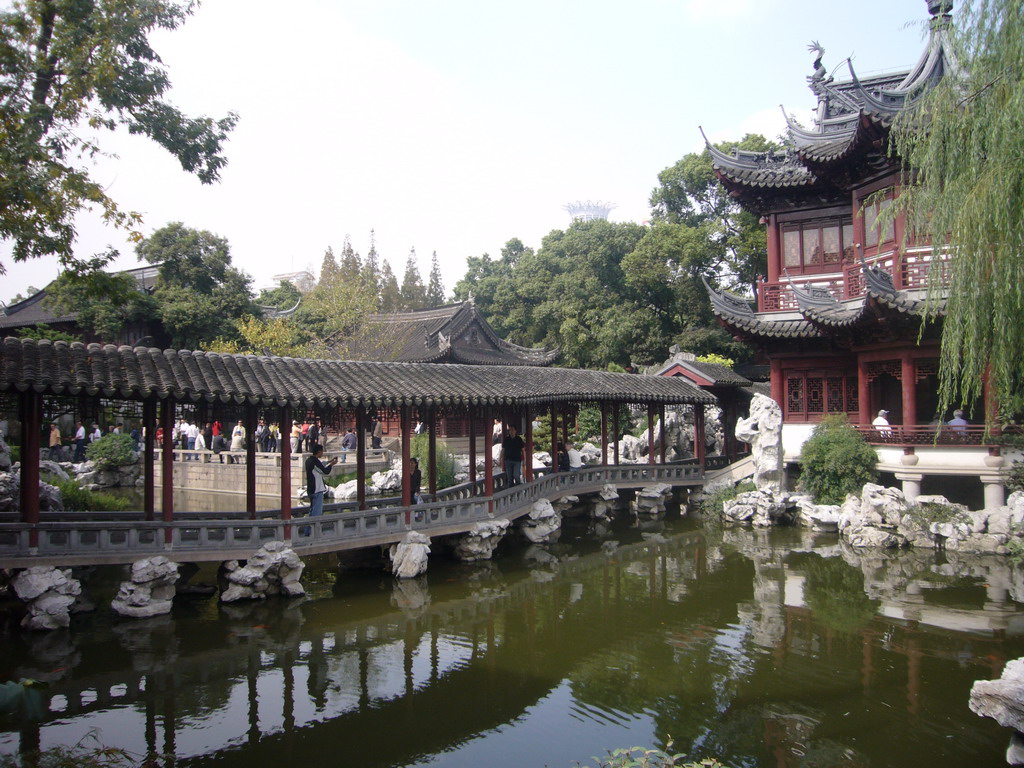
[512, 454]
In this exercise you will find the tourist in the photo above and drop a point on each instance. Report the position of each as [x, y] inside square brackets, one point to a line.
[200, 444]
[575, 458]
[415, 480]
[296, 436]
[496, 432]
[96, 433]
[316, 471]
[55, 441]
[512, 455]
[136, 435]
[313, 435]
[237, 440]
[376, 432]
[208, 435]
[304, 432]
[79, 441]
[219, 445]
[958, 422]
[273, 437]
[260, 436]
[348, 443]
[881, 423]
[561, 459]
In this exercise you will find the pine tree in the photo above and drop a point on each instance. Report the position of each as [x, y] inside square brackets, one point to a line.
[370, 274]
[435, 287]
[350, 265]
[414, 295]
[390, 294]
[329, 266]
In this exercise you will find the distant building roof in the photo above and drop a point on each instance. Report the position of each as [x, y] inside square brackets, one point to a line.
[706, 375]
[456, 333]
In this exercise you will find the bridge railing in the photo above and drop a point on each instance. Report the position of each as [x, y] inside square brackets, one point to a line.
[125, 540]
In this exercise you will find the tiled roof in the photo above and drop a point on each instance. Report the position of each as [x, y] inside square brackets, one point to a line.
[455, 333]
[141, 372]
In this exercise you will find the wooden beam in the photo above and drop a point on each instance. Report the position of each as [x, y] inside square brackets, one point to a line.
[661, 419]
[604, 432]
[528, 455]
[615, 429]
[489, 462]
[405, 418]
[472, 450]
[650, 433]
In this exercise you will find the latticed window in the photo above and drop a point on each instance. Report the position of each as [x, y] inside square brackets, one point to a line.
[812, 394]
[817, 246]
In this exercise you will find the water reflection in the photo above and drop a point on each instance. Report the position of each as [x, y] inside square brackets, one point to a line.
[762, 648]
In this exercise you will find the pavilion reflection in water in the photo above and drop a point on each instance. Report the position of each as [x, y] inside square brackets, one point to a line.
[420, 670]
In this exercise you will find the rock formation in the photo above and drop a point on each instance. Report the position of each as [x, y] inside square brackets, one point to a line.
[606, 502]
[1002, 699]
[49, 592]
[480, 542]
[763, 430]
[409, 556]
[149, 590]
[542, 524]
[650, 501]
[273, 569]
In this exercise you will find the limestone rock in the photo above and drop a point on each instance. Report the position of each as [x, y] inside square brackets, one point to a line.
[47, 467]
[759, 508]
[818, 517]
[50, 592]
[409, 556]
[390, 480]
[650, 501]
[590, 453]
[10, 497]
[1002, 699]
[542, 523]
[149, 590]
[273, 569]
[631, 449]
[481, 540]
[5, 455]
[763, 430]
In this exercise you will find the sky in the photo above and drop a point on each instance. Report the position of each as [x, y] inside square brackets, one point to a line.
[452, 126]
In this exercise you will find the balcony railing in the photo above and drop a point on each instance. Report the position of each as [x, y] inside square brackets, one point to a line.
[928, 435]
[910, 270]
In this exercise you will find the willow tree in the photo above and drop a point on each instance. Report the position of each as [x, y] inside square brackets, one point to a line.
[962, 150]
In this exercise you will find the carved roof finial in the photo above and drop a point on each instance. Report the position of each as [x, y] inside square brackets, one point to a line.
[819, 54]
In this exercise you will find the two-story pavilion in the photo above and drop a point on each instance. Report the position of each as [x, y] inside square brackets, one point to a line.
[839, 315]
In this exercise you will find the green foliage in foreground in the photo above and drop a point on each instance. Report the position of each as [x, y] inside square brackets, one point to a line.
[641, 757]
[78, 499]
[925, 514]
[420, 449]
[836, 461]
[111, 451]
[76, 756]
[1015, 477]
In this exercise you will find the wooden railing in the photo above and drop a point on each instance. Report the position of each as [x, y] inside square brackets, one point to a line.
[193, 538]
[927, 434]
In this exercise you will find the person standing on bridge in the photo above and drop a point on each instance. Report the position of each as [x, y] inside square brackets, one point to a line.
[316, 471]
[512, 455]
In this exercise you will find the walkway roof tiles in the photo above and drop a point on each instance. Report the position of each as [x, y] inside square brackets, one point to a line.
[59, 368]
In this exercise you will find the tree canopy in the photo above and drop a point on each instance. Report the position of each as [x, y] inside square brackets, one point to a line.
[68, 71]
[962, 149]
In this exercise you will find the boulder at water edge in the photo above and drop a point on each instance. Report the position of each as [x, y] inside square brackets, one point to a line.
[1002, 699]
[274, 569]
[481, 540]
[149, 590]
[49, 592]
[409, 556]
[542, 523]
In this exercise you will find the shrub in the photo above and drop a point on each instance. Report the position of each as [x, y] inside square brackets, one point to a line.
[1015, 477]
[111, 451]
[836, 461]
[714, 357]
[639, 757]
[445, 461]
[923, 515]
[15, 452]
[78, 499]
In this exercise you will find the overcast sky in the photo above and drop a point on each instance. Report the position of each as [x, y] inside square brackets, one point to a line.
[455, 125]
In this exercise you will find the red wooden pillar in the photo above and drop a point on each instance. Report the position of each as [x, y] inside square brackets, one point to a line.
[565, 423]
[778, 384]
[615, 429]
[604, 432]
[31, 407]
[908, 380]
[286, 469]
[167, 465]
[432, 447]
[554, 437]
[528, 455]
[405, 415]
[863, 393]
[661, 419]
[650, 433]
[472, 451]
[698, 434]
[250, 460]
[489, 463]
[361, 456]
[148, 458]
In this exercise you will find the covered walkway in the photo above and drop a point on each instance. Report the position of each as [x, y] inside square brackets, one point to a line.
[38, 378]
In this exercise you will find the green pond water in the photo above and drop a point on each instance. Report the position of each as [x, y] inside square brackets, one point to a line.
[776, 648]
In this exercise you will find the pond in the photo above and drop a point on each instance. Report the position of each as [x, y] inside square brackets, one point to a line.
[761, 648]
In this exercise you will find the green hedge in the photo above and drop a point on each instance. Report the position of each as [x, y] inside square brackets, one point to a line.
[836, 461]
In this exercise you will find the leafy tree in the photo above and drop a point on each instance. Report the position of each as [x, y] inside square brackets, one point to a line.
[329, 266]
[29, 293]
[961, 149]
[369, 273]
[283, 296]
[69, 66]
[272, 336]
[200, 295]
[688, 194]
[44, 331]
[836, 461]
[435, 285]
[350, 266]
[414, 295]
[104, 302]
